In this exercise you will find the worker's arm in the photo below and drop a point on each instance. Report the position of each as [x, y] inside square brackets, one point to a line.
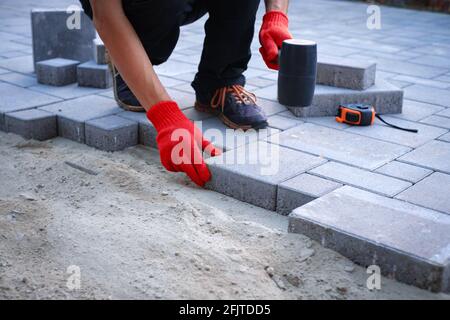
[274, 31]
[278, 5]
[127, 52]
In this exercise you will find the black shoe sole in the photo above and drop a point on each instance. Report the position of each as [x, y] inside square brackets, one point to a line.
[230, 124]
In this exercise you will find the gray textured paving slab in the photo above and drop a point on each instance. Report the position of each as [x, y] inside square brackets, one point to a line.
[444, 113]
[111, 133]
[252, 172]
[70, 91]
[445, 137]
[100, 56]
[404, 171]
[57, 71]
[32, 124]
[362, 179]
[19, 64]
[437, 121]
[415, 110]
[94, 75]
[18, 79]
[431, 95]
[52, 38]
[300, 190]
[432, 192]
[384, 96]
[341, 146]
[283, 123]
[73, 114]
[147, 132]
[407, 242]
[345, 73]
[410, 139]
[434, 155]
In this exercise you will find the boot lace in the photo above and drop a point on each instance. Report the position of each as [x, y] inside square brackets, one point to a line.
[241, 95]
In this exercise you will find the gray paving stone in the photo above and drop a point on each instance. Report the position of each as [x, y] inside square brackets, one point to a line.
[52, 38]
[173, 68]
[362, 179]
[345, 73]
[431, 95]
[111, 133]
[384, 96]
[252, 172]
[408, 68]
[94, 75]
[20, 64]
[444, 113]
[339, 145]
[437, 121]
[70, 91]
[18, 79]
[14, 98]
[73, 114]
[408, 243]
[227, 139]
[434, 155]
[432, 192]
[147, 132]
[327, 122]
[415, 110]
[425, 82]
[57, 71]
[100, 55]
[195, 115]
[32, 124]
[445, 137]
[184, 99]
[300, 190]
[3, 71]
[383, 132]
[283, 123]
[404, 171]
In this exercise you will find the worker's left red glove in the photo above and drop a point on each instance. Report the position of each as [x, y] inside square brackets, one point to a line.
[273, 32]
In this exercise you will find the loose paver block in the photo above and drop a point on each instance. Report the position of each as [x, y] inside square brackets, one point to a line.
[434, 155]
[300, 190]
[340, 145]
[73, 114]
[32, 124]
[410, 139]
[111, 133]
[228, 139]
[359, 178]
[408, 242]
[345, 73]
[385, 97]
[100, 55]
[147, 132]
[404, 171]
[432, 192]
[57, 71]
[94, 75]
[14, 98]
[252, 172]
[53, 38]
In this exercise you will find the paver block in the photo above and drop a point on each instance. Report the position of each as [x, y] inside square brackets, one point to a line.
[147, 132]
[252, 172]
[404, 171]
[415, 110]
[228, 139]
[432, 192]
[359, 178]
[94, 75]
[32, 124]
[345, 73]
[52, 38]
[57, 71]
[70, 91]
[445, 137]
[434, 155]
[73, 114]
[410, 139]
[408, 242]
[440, 97]
[111, 133]
[300, 190]
[282, 123]
[385, 97]
[339, 145]
[18, 79]
[14, 98]
[100, 54]
[437, 121]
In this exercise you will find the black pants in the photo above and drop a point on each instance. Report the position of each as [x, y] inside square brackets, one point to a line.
[229, 32]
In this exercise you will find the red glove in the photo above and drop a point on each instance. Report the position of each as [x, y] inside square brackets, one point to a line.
[273, 32]
[180, 142]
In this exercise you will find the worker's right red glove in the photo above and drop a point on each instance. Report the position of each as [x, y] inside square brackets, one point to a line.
[180, 142]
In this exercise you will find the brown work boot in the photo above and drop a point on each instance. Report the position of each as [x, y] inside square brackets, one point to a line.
[235, 106]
